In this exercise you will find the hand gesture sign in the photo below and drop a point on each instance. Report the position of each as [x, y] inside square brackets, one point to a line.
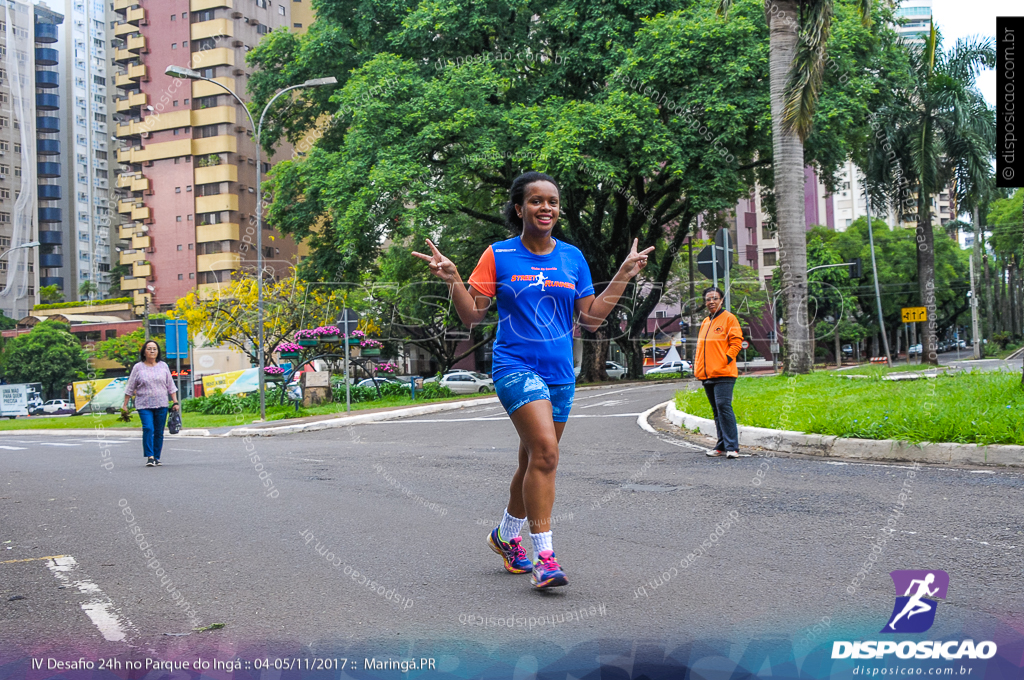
[635, 261]
[441, 266]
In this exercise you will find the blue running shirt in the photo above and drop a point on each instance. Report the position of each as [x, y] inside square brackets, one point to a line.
[536, 299]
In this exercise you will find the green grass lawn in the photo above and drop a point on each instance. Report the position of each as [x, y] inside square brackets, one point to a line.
[968, 408]
[202, 422]
[882, 369]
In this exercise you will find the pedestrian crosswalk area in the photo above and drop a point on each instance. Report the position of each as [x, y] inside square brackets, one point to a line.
[68, 442]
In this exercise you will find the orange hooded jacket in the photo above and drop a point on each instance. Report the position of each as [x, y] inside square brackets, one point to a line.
[718, 344]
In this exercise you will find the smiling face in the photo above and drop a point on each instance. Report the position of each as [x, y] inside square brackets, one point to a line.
[540, 206]
[713, 301]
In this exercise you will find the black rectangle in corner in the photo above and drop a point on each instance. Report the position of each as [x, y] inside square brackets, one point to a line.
[1010, 102]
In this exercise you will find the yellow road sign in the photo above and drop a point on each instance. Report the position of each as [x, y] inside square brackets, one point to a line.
[914, 314]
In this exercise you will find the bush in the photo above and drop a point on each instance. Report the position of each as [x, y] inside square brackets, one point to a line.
[65, 305]
[217, 404]
[663, 376]
[1001, 338]
[434, 390]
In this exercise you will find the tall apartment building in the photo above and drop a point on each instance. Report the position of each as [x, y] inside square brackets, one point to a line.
[918, 14]
[31, 192]
[86, 135]
[187, 165]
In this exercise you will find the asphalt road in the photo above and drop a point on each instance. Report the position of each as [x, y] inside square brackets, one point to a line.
[409, 505]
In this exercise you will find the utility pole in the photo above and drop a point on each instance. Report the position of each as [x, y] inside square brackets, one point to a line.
[147, 317]
[874, 273]
[975, 321]
[728, 257]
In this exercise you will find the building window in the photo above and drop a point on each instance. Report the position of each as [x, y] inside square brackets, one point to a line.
[280, 10]
[191, 275]
[177, 190]
[262, 30]
[5, 193]
[174, 46]
[174, 17]
[181, 276]
[188, 188]
[770, 258]
[98, 80]
[297, 25]
[177, 218]
[765, 232]
[190, 246]
[5, 217]
[179, 246]
[189, 218]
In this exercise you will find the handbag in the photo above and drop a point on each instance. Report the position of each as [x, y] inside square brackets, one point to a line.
[174, 422]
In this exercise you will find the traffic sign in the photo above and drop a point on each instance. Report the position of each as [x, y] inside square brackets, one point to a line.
[711, 259]
[177, 338]
[914, 314]
[745, 344]
[348, 321]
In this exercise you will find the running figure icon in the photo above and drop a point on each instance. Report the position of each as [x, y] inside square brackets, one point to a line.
[539, 282]
[914, 604]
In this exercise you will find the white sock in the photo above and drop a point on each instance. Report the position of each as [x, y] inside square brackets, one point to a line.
[541, 542]
[510, 526]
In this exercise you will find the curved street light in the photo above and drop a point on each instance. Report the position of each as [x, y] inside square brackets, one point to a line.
[187, 73]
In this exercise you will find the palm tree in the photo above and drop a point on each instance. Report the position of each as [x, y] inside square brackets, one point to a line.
[87, 289]
[936, 129]
[798, 33]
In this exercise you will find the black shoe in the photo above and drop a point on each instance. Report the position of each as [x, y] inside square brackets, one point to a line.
[151, 461]
[158, 462]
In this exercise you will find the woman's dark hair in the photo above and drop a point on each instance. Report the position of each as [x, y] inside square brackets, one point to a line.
[142, 350]
[517, 195]
[713, 289]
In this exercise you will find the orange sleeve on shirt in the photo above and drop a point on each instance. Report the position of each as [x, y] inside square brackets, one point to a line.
[484, 276]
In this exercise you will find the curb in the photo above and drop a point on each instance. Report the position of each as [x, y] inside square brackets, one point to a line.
[830, 446]
[101, 432]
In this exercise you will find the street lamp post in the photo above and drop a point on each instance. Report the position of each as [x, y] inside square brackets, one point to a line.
[180, 72]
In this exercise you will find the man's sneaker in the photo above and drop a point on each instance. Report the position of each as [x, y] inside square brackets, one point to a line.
[516, 561]
[714, 453]
[151, 461]
[158, 462]
[732, 454]
[546, 572]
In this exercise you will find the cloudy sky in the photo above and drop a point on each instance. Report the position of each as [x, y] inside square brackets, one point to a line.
[963, 18]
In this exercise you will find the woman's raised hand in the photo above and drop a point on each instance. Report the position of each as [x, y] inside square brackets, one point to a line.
[635, 261]
[441, 266]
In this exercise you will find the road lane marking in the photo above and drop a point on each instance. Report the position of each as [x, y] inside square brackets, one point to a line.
[100, 609]
[57, 444]
[610, 402]
[34, 559]
[504, 417]
[12, 448]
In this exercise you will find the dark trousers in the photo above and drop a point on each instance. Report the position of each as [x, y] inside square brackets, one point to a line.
[719, 391]
[153, 421]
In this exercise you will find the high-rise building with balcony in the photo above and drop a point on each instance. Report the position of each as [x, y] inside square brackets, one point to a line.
[918, 15]
[32, 200]
[187, 180]
[87, 133]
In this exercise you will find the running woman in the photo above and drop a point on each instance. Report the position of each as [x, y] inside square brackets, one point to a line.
[541, 285]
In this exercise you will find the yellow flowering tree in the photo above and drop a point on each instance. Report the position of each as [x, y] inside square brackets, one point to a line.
[229, 316]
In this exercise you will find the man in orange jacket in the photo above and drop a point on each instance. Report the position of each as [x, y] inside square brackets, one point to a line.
[718, 344]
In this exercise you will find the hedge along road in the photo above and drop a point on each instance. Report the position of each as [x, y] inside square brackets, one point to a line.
[241, 558]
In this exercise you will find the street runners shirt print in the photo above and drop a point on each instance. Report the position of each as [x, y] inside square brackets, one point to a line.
[536, 299]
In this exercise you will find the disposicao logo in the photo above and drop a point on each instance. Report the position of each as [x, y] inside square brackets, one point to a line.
[918, 587]
[914, 612]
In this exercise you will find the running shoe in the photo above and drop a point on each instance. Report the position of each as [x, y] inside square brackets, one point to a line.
[158, 462]
[151, 461]
[546, 572]
[516, 561]
[728, 454]
[714, 453]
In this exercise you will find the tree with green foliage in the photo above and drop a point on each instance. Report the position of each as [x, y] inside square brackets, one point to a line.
[938, 125]
[647, 114]
[125, 349]
[1004, 290]
[47, 354]
[117, 270]
[51, 294]
[87, 290]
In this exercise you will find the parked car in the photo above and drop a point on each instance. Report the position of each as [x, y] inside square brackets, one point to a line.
[848, 351]
[671, 367]
[468, 383]
[914, 350]
[55, 407]
[455, 371]
[368, 382]
[615, 371]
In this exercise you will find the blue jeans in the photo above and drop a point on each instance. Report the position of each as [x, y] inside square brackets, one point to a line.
[719, 392]
[153, 421]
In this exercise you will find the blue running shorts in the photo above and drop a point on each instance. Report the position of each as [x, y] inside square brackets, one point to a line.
[521, 387]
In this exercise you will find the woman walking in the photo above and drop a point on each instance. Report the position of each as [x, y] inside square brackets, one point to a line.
[718, 344]
[151, 385]
[541, 284]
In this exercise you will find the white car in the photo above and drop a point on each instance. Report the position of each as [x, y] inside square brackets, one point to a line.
[457, 370]
[615, 371]
[56, 406]
[671, 367]
[368, 382]
[468, 383]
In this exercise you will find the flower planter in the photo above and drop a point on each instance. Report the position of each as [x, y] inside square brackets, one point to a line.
[308, 342]
[330, 338]
[272, 377]
[371, 352]
[353, 341]
[289, 355]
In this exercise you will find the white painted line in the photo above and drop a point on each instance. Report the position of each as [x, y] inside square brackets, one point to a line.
[13, 448]
[100, 609]
[483, 418]
[610, 402]
[57, 444]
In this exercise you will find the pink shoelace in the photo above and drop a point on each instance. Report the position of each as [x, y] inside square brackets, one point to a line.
[517, 548]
